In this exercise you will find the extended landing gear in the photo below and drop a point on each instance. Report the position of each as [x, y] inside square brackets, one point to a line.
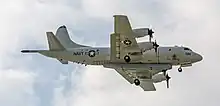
[137, 82]
[180, 69]
[167, 77]
[127, 59]
[167, 80]
[164, 72]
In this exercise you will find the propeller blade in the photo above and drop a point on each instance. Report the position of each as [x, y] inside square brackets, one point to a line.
[167, 83]
[150, 33]
[155, 45]
[167, 80]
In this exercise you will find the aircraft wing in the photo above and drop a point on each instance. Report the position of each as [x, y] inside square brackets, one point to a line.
[147, 85]
[123, 41]
[144, 76]
[126, 75]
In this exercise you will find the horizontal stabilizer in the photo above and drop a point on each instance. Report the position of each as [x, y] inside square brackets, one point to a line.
[125, 75]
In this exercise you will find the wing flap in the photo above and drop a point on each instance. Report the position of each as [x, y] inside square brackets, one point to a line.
[143, 74]
[125, 75]
[147, 85]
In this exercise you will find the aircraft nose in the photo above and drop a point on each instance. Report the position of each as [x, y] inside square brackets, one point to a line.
[198, 57]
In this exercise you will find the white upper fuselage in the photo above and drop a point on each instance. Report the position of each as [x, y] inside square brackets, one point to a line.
[169, 55]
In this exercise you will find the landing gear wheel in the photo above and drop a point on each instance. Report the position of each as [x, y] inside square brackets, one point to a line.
[127, 59]
[137, 82]
[180, 69]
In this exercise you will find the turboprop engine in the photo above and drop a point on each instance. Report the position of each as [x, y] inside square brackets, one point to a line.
[133, 57]
[158, 78]
[141, 32]
[146, 46]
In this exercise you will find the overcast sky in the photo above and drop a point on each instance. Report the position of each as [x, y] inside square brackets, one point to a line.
[33, 80]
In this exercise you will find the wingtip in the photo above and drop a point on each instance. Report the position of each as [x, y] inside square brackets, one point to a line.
[119, 15]
[63, 26]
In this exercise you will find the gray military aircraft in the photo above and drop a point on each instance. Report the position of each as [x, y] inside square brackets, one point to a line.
[143, 63]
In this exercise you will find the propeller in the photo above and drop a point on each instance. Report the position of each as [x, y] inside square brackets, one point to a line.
[167, 80]
[150, 33]
[155, 45]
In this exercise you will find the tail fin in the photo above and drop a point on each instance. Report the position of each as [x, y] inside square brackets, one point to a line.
[63, 36]
[53, 42]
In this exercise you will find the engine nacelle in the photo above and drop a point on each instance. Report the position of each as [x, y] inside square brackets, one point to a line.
[186, 65]
[140, 32]
[145, 46]
[158, 78]
[133, 57]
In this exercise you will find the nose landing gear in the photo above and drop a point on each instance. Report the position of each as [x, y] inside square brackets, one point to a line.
[180, 69]
[164, 72]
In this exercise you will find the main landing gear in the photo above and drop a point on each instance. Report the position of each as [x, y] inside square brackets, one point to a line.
[180, 69]
[137, 82]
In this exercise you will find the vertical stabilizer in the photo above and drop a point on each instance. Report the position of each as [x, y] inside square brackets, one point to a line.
[55, 45]
[63, 36]
[53, 42]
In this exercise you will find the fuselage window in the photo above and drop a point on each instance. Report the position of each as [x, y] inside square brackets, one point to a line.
[187, 53]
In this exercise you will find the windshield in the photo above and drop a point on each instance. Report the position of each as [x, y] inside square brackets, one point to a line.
[185, 48]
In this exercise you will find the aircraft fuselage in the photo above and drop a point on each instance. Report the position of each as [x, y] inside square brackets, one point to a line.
[100, 56]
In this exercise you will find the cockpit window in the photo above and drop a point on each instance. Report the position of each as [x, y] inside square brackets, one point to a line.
[187, 49]
[187, 53]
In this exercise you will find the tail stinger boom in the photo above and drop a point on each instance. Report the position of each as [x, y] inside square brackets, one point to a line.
[54, 48]
[57, 43]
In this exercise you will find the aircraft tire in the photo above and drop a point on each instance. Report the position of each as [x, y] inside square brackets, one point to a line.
[127, 59]
[137, 82]
[180, 69]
